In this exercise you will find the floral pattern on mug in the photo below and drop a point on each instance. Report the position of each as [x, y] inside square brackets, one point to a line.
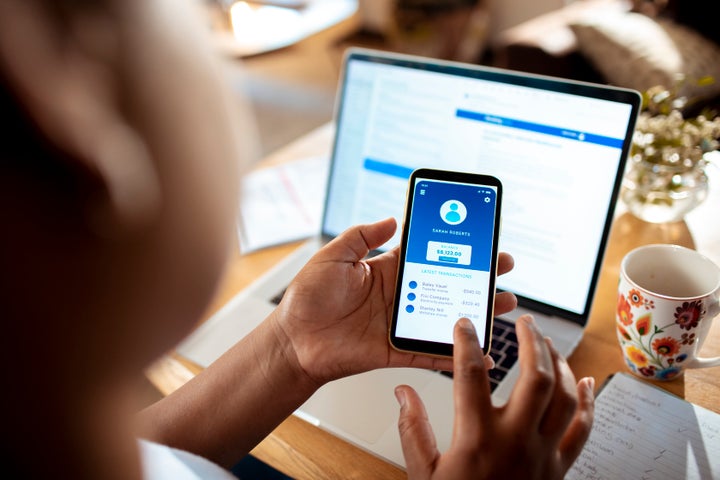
[624, 310]
[637, 300]
[647, 351]
[688, 315]
[666, 346]
[687, 338]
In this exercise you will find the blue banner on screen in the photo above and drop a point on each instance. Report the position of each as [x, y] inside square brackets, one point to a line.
[452, 225]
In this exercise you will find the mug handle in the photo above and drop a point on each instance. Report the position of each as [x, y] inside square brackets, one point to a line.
[699, 362]
[713, 310]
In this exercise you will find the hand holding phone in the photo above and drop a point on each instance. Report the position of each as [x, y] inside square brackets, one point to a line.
[448, 260]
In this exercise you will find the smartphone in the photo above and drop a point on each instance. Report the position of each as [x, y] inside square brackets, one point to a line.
[448, 260]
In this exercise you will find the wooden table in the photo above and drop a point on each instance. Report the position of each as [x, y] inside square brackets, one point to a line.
[304, 451]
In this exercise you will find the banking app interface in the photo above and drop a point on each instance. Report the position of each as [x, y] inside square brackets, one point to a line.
[447, 260]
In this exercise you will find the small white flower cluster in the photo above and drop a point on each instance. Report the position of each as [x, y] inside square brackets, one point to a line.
[671, 139]
[663, 136]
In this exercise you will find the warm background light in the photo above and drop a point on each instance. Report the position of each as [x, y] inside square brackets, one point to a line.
[260, 24]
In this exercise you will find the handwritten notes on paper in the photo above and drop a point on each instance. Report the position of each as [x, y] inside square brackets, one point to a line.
[642, 432]
[282, 203]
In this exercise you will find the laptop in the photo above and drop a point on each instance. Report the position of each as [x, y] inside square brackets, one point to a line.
[559, 147]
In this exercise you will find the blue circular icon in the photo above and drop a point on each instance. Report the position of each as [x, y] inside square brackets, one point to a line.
[412, 284]
[453, 212]
[411, 296]
[409, 309]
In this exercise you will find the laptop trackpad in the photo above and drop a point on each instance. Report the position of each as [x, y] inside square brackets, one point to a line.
[364, 405]
[229, 325]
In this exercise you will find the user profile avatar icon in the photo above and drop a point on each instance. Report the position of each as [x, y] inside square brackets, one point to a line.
[453, 212]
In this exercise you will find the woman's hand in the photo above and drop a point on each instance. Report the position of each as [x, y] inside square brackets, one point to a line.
[538, 434]
[336, 312]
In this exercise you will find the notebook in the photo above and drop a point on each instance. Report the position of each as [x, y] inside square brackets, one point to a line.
[559, 147]
[643, 431]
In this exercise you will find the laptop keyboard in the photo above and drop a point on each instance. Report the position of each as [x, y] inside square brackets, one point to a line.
[504, 347]
[504, 351]
[276, 299]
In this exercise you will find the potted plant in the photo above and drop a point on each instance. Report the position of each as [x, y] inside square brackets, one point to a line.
[665, 177]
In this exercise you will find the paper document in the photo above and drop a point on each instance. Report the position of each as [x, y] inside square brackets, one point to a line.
[282, 203]
[641, 431]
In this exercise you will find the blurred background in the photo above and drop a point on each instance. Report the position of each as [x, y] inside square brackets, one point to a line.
[289, 51]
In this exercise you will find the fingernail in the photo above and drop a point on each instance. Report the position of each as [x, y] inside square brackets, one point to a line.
[530, 321]
[590, 382]
[400, 395]
[467, 324]
[490, 361]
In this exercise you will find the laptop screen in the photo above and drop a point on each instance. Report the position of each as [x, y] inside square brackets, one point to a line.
[558, 147]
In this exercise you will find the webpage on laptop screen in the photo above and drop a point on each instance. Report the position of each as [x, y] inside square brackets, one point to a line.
[556, 155]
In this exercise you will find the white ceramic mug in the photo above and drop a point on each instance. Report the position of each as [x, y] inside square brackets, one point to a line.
[667, 298]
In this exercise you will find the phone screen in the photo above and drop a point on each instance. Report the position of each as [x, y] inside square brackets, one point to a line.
[448, 260]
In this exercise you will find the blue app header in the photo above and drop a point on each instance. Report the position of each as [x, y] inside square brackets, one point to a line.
[452, 224]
